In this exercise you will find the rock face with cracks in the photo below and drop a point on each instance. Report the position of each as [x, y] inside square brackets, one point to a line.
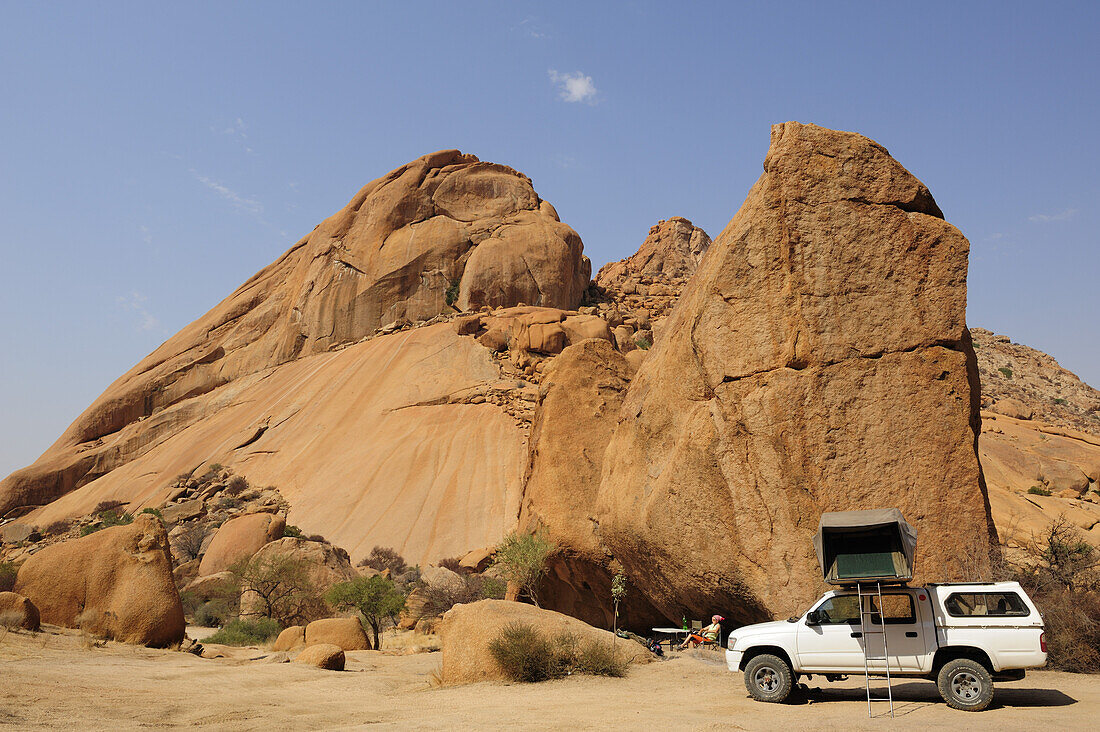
[444, 228]
[818, 361]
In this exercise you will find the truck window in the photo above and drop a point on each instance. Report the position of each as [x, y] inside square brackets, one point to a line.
[896, 609]
[992, 604]
[839, 610]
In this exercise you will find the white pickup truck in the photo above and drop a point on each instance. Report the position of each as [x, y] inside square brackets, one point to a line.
[962, 636]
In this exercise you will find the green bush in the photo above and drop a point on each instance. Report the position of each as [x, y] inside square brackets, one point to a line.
[1060, 401]
[1038, 491]
[292, 531]
[154, 512]
[452, 292]
[246, 632]
[376, 598]
[8, 571]
[213, 614]
[1006, 371]
[643, 344]
[521, 558]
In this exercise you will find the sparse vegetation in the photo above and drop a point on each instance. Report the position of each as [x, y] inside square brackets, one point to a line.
[383, 558]
[618, 593]
[1062, 576]
[11, 620]
[1037, 490]
[521, 558]
[110, 517]
[292, 531]
[154, 512]
[453, 564]
[188, 542]
[213, 614]
[1059, 400]
[104, 506]
[525, 654]
[643, 344]
[1006, 372]
[442, 597]
[452, 292]
[8, 570]
[57, 527]
[375, 598]
[237, 485]
[278, 586]
[246, 632]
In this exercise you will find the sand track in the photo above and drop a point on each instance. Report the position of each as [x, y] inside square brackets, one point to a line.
[50, 681]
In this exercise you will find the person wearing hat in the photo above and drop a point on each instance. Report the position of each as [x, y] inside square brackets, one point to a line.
[709, 633]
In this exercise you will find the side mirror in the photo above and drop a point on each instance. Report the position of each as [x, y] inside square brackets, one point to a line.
[812, 618]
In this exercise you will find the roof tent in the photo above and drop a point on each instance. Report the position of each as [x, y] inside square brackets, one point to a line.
[865, 546]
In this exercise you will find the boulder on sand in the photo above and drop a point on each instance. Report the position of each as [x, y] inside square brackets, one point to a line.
[239, 538]
[116, 583]
[290, 638]
[18, 611]
[467, 630]
[347, 633]
[323, 655]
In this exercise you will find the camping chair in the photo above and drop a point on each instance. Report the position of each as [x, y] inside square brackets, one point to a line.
[697, 628]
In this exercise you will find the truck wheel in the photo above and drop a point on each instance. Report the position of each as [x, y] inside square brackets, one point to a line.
[768, 678]
[965, 684]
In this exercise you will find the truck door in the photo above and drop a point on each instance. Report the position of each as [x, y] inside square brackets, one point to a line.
[906, 636]
[831, 643]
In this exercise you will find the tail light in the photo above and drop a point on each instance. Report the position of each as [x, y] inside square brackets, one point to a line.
[1043, 642]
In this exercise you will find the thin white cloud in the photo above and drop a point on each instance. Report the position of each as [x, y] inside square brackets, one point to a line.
[249, 205]
[135, 303]
[530, 27]
[146, 235]
[237, 129]
[575, 87]
[1066, 215]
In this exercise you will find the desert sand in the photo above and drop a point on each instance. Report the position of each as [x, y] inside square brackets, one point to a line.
[51, 680]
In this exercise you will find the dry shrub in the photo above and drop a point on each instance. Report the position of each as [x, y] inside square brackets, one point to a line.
[1072, 621]
[108, 506]
[441, 598]
[8, 570]
[57, 527]
[237, 485]
[11, 620]
[453, 564]
[383, 558]
[188, 543]
[525, 654]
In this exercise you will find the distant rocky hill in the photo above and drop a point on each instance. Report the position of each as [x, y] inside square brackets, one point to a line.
[1040, 442]
[1014, 375]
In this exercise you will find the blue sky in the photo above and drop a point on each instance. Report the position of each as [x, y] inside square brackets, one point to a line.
[155, 155]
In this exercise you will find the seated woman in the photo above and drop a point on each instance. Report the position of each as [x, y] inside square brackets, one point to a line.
[709, 633]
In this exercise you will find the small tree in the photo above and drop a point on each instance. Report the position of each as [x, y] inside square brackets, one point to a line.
[189, 541]
[276, 586]
[521, 558]
[376, 598]
[618, 592]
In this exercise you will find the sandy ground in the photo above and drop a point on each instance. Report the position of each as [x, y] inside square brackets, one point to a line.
[52, 680]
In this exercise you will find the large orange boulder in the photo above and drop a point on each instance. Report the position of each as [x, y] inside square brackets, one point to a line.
[18, 611]
[239, 538]
[347, 633]
[818, 360]
[323, 655]
[444, 228]
[116, 583]
[467, 630]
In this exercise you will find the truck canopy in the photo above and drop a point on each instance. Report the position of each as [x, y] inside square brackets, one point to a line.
[876, 545]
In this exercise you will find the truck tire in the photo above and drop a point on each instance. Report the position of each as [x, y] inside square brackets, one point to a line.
[965, 684]
[768, 678]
